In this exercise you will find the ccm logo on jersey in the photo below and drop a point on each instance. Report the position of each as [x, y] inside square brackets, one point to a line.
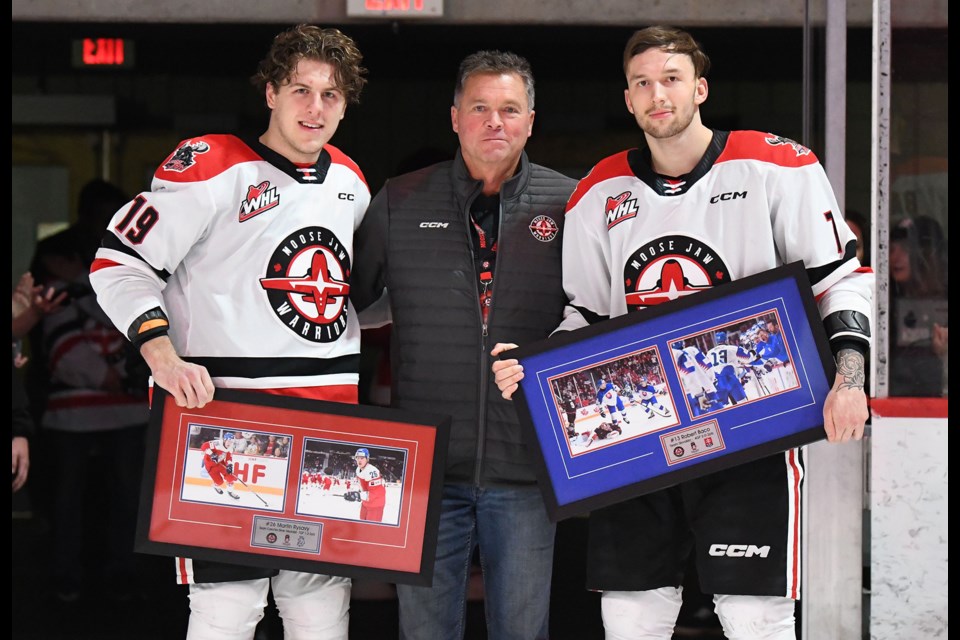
[739, 550]
[434, 225]
[732, 195]
[345, 196]
[620, 208]
[260, 198]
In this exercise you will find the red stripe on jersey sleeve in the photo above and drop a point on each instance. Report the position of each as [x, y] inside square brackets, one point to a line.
[609, 167]
[102, 263]
[340, 157]
[204, 157]
[766, 147]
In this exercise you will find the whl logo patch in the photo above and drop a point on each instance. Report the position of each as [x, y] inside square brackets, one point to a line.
[260, 198]
[620, 208]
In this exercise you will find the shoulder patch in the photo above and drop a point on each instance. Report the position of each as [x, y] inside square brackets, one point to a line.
[610, 167]
[201, 158]
[339, 157]
[766, 147]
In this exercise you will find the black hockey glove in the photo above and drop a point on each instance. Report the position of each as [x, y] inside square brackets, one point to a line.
[230, 468]
[352, 496]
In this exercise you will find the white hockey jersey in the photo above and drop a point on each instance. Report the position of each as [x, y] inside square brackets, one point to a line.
[249, 255]
[755, 201]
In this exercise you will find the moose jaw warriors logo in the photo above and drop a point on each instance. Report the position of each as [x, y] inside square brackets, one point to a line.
[668, 268]
[543, 228]
[307, 286]
[182, 159]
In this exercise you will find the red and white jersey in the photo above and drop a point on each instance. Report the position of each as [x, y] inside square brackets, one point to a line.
[755, 201]
[372, 482]
[215, 449]
[81, 345]
[249, 255]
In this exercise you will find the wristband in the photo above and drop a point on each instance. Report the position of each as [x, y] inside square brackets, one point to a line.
[148, 326]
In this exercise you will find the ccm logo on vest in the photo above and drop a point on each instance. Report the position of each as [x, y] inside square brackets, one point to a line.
[739, 550]
[434, 225]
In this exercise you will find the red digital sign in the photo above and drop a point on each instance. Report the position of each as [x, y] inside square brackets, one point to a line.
[103, 52]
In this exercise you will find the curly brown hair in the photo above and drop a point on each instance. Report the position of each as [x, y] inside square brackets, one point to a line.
[310, 42]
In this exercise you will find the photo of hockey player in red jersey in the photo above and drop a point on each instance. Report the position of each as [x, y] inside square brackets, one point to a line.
[360, 482]
[613, 401]
[218, 463]
[373, 495]
[219, 469]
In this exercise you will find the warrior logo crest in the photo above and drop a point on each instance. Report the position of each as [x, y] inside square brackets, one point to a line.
[306, 284]
[669, 268]
[544, 228]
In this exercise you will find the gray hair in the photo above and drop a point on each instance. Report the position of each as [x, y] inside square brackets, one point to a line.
[494, 62]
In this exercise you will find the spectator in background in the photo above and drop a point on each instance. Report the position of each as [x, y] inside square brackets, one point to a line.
[94, 409]
[30, 303]
[918, 306]
[253, 446]
[22, 430]
[270, 449]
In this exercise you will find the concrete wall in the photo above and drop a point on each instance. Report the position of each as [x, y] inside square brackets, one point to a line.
[919, 13]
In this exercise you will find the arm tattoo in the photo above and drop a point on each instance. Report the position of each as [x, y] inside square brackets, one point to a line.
[850, 368]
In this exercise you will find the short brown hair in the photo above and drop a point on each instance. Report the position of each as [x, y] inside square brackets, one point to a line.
[310, 42]
[668, 39]
[494, 62]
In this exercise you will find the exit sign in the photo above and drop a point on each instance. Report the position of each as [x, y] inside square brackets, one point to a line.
[103, 52]
[395, 8]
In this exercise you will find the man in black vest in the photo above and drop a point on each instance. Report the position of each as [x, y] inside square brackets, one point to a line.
[468, 252]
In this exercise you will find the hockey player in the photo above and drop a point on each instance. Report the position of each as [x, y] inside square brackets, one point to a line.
[610, 402]
[218, 461]
[233, 270]
[726, 362]
[602, 432]
[770, 347]
[649, 401]
[569, 406]
[696, 378]
[651, 225]
[373, 493]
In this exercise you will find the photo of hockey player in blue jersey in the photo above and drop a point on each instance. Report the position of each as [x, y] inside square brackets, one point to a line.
[647, 395]
[733, 364]
[613, 401]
